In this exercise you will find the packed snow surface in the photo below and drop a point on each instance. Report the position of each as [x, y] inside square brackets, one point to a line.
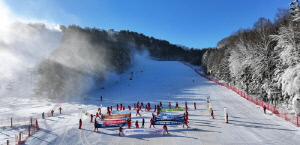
[165, 81]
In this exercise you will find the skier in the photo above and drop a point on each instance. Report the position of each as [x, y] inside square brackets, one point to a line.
[52, 112]
[138, 112]
[142, 104]
[129, 107]
[195, 105]
[101, 98]
[128, 123]
[108, 110]
[155, 108]
[80, 123]
[166, 128]
[99, 110]
[186, 108]
[136, 124]
[212, 114]
[121, 107]
[185, 122]
[152, 119]
[121, 131]
[97, 115]
[117, 107]
[92, 117]
[265, 109]
[43, 115]
[149, 106]
[95, 125]
[185, 104]
[59, 110]
[143, 123]
[176, 105]
[160, 104]
[169, 105]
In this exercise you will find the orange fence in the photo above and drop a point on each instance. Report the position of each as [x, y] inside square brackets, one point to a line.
[31, 128]
[278, 112]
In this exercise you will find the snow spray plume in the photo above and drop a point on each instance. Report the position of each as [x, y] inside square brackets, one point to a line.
[79, 62]
[22, 48]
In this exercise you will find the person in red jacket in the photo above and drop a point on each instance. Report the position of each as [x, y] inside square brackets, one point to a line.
[186, 108]
[92, 117]
[97, 115]
[121, 106]
[95, 125]
[109, 112]
[121, 131]
[152, 119]
[166, 128]
[136, 124]
[185, 104]
[169, 105]
[99, 110]
[176, 105]
[128, 123]
[155, 108]
[149, 106]
[185, 121]
[212, 114]
[195, 105]
[80, 123]
[160, 104]
[138, 112]
[129, 107]
[117, 107]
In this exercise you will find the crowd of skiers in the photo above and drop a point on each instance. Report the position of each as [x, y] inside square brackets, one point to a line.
[138, 106]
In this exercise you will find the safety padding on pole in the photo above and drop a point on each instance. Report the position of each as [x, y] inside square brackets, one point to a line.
[226, 114]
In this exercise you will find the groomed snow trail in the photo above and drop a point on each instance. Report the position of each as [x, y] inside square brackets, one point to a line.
[169, 81]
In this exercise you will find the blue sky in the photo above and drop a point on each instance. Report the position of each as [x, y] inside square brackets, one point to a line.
[198, 23]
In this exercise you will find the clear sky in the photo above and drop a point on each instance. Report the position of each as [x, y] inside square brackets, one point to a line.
[192, 23]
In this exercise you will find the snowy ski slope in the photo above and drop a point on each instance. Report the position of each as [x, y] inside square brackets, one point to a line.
[166, 81]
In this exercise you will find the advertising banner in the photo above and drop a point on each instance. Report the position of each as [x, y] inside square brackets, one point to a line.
[116, 116]
[111, 122]
[171, 110]
[113, 125]
[142, 131]
[124, 112]
[175, 122]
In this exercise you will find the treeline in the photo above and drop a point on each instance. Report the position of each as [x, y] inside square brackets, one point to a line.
[261, 60]
[85, 55]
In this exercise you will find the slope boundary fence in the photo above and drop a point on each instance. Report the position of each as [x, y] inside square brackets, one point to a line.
[294, 119]
[30, 128]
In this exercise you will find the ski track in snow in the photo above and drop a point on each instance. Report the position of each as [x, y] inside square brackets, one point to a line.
[165, 81]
